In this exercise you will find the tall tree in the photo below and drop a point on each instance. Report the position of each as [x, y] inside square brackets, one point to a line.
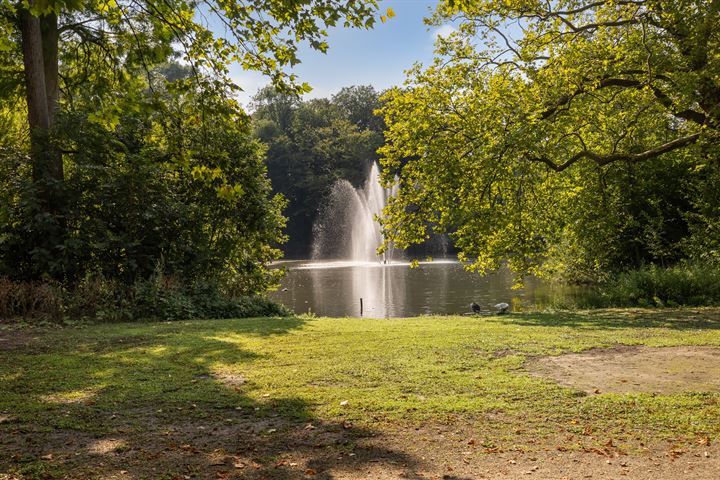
[100, 57]
[258, 34]
[531, 105]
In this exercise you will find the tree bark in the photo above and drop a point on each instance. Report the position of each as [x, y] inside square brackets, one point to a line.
[50, 35]
[33, 60]
[39, 36]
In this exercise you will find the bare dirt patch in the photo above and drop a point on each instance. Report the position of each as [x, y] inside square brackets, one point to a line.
[18, 339]
[277, 449]
[229, 379]
[631, 369]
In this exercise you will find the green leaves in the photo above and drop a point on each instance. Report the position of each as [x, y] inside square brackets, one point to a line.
[511, 140]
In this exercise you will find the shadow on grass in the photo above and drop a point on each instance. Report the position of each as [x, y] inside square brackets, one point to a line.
[157, 401]
[675, 319]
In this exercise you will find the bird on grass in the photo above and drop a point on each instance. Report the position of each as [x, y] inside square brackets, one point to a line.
[502, 308]
[475, 307]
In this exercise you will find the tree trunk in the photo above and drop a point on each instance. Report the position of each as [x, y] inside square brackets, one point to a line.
[50, 36]
[40, 58]
[39, 38]
[35, 90]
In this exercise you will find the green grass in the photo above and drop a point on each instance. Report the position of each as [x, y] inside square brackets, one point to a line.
[392, 372]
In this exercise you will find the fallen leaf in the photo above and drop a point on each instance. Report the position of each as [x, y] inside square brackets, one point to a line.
[675, 453]
[310, 472]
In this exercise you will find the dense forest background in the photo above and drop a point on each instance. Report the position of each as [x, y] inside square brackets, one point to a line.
[310, 145]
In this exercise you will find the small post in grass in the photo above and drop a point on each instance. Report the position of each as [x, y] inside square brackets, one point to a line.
[361, 306]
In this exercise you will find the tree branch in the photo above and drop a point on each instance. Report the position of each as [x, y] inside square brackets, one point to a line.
[601, 160]
[687, 114]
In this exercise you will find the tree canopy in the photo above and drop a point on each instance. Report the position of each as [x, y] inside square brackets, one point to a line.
[125, 152]
[526, 136]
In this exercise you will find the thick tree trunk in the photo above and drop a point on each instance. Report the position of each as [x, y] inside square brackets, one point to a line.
[35, 90]
[40, 58]
[39, 37]
[50, 36]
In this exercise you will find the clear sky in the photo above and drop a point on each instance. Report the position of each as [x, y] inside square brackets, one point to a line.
[375, 57]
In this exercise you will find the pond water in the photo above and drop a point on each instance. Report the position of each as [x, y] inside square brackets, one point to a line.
[395, 290]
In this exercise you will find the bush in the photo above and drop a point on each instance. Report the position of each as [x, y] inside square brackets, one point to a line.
[652, 286]
[96, 298]
[30, 300]
[183, 186]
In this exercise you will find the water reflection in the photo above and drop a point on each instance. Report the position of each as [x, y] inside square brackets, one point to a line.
[396, 290]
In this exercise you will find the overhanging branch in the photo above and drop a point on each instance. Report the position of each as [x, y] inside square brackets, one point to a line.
[601, 159]
[686, 114]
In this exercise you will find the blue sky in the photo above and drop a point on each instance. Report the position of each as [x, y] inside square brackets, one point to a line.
[375, 57]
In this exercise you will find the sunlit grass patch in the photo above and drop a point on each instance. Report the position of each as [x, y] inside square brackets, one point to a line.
[364, 371]
[70, 397]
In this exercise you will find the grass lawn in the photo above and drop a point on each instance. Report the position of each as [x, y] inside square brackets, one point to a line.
[428, 397]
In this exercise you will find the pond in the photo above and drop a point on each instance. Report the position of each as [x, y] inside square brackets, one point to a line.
[440, 287]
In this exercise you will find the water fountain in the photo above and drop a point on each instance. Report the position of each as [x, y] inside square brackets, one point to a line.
[347, 229]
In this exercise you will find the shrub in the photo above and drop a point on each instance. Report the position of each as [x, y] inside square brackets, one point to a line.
[685, 284]
[38, 300]
[96, 298]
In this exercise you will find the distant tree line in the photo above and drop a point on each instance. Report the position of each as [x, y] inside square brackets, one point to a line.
[310, 145]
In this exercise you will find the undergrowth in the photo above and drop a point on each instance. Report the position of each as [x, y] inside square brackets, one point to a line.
[98, 299]
[651, 286]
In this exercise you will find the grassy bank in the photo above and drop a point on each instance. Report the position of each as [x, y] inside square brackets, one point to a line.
[144, 384]
[685, 284]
